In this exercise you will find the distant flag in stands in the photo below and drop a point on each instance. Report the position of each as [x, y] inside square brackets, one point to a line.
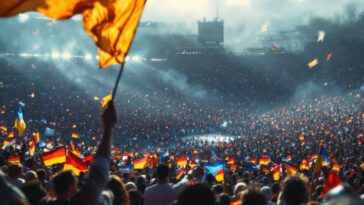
[14, 159]
[233, 167]
[3, 128]
[301, 137]
[74, 135]
[54, 157]
[7, 143]
[180, 173]
[290, 170]
[265, 169]
[313, 63]
[264, 161]
[319, 161]
[336, 167]
[111, 24]
[182, 161]
[329, 56]
[276, 172]
[11, 134]
[36, 137]
[217, 169]
[332, 181]
[251, 160]
[19, 120]
[74, 163]
[304, 165]
[105, 100]
[31, 148]
[230, 161]
[141, 163]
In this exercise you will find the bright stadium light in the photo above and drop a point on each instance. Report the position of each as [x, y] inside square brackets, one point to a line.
[24, 55]
[66, 55]
[23, 18]
[55, 55]
[88, 57]
[136, 58]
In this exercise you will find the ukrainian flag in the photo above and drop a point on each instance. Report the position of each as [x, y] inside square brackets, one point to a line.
[19, 122]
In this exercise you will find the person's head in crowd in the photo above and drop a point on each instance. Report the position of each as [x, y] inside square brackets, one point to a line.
[294, 191]
[344, 200]
[239, 187]
[34, 191]
[252, 196]
[343, 191]
[120, 193]
[210, 179]
[224, 199]
[30, 175]
[30, 163]
[141, 184]
[136, 198]
[246, 177]
[218, 189]
[130, 185]
[162, 173]
[196, 195]
[9, 194]
[267, 191]
[14, 171]
[65, 185]
[275, 191]
[42, 175]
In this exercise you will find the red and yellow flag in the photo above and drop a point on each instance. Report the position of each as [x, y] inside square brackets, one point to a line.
[74, 135]
[111, 24]
[105, 100]
[36, 137]
[75, 164]
[182, 161]
[141, 163]
[264, 161]
[290, 170]
[276, 172]
[14, 159]
[11, 134]
[54, 157]
[31, 148]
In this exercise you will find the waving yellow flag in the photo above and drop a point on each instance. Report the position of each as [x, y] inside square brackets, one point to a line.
[110, 23]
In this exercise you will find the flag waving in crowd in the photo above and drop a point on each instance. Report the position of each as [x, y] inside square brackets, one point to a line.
[111, 24]
[19, 122]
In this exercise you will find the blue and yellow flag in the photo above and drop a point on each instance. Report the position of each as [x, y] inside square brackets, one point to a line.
[19, 122]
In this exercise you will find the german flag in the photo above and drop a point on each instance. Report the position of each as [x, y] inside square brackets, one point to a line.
[74, 135]
[36, 137]
[251, 160]
[233, 167]
[290, 170]
[88, 159]
[54, 157]
[75, 164]
[141, 163]
[180, 173]
[31, 148]
[265, 169]
[336, 168]
[230, 161]
[182, 161]
[264, 161]
[14, 159]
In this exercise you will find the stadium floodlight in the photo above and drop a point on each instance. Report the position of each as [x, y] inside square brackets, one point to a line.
[66, 55]
[24, 55]
[136, 58]
[88, 56]
[55, 55]
[23, 18]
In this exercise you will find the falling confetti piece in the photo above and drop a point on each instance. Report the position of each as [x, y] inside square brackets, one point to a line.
[321, 36]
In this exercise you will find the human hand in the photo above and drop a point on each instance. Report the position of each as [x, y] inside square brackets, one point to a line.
[109, 115]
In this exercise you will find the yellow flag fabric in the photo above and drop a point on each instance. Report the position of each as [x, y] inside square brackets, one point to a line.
[313, 63]
[110, 23]
[105, 100]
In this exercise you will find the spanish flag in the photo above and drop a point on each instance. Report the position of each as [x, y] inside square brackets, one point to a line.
[105, 100]
[141, 163]
[14, 159]
[111, 24]
[75, 164]
[31, 148]
[74, 135]
[36, 137]
[54, 157]
[182, 161]
[19, 121]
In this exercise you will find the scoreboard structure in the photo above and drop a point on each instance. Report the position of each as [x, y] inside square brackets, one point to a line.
[211, 32]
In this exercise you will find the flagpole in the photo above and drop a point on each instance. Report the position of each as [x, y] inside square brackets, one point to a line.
[117, 80]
